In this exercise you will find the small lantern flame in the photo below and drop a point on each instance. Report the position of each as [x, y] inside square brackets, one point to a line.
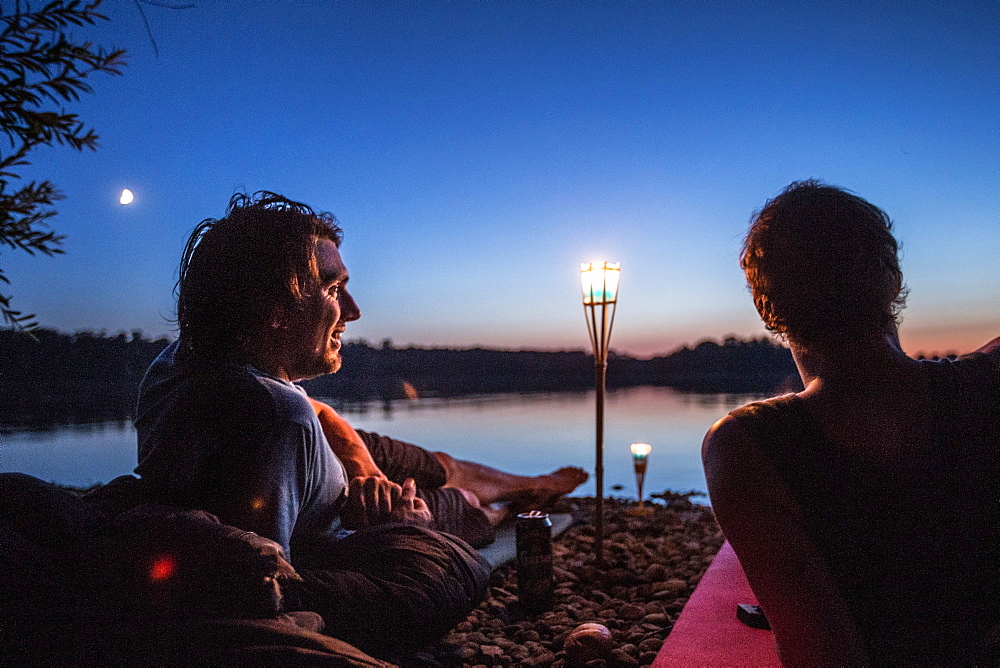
[640, 457]
[641, 450]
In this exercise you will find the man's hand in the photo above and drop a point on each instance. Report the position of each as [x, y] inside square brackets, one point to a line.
[375, 500]
[410, 508]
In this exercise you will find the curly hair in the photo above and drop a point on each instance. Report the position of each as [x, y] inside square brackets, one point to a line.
[237, 269]
[821, 262]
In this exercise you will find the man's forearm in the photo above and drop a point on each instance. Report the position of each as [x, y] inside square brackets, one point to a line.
[345, 443]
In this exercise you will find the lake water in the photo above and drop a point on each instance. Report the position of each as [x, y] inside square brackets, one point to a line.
[527, 434]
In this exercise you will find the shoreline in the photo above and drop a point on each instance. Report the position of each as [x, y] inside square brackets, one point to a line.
[652, 563]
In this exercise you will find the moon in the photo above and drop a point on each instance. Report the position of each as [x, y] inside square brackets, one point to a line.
[126, 197]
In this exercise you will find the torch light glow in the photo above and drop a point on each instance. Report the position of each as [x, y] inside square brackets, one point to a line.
[640, 457]
[600, 282]
[600, 297]
[641, 450]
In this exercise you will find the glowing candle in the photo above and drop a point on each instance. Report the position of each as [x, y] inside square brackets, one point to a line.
[600, 282]
[640, 456]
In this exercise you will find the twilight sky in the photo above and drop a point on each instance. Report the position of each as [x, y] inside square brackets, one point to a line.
[477, 152]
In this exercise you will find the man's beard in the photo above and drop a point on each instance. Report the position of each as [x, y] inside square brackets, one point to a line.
[335, 364]
[321, 366]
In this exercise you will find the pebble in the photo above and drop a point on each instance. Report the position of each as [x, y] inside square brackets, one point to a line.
[655, 572]
[527, 634]
[588, 642]
[545, 659]
[657, 618]
[466, 652]
[651, 565]
[631, 611]
[491, 651]
[622, 658]
[650, 645]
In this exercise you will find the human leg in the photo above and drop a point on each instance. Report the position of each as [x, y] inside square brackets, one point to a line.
[400, 460]
[456, 511]
[491, 485]
[494, 492]
[390, 589]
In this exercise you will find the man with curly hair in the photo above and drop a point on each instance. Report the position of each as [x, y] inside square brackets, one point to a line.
[863, 509]
[263, 301]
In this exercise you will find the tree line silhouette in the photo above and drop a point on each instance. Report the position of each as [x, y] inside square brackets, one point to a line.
[58, 378]
[387, 372]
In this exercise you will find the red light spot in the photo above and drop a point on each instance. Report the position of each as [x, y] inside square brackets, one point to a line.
[163, 567]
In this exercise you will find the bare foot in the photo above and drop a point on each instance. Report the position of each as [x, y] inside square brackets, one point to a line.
[564, 480]
[545, 489]
[491, 485]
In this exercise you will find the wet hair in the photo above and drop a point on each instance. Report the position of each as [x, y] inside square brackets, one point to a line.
[822, 265]
[238, 269]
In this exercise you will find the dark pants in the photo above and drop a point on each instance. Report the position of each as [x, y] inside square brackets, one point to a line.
[391, 589]
[400, 460]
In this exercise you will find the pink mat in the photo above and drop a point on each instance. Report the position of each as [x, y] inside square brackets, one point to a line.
[707, 632]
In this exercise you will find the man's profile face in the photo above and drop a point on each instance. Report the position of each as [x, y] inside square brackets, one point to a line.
[311, 334]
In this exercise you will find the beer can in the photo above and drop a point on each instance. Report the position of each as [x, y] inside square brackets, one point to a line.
[535, 584]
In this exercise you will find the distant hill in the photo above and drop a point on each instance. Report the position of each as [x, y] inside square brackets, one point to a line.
[394, 373]
[68, 378]
[71, 378]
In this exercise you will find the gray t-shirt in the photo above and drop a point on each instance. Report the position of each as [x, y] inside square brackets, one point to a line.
[242, 445]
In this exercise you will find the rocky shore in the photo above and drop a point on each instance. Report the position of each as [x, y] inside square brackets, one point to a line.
[653, 560]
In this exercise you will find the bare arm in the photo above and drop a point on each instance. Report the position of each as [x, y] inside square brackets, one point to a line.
[765, 526]
[372, 499]
[345, 443]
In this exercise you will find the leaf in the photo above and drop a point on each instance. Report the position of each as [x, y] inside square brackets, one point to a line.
[41, 67]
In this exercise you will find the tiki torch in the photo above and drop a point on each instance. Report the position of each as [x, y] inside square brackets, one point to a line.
[600, 295]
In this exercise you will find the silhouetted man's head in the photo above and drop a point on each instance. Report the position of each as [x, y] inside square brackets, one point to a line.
[268, 273]
[822, 265]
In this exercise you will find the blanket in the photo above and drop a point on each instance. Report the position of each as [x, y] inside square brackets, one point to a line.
[111, 579]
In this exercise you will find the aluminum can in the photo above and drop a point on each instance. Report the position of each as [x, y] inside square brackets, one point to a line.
[535, 584]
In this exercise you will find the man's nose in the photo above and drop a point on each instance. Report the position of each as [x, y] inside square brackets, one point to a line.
[348, 307]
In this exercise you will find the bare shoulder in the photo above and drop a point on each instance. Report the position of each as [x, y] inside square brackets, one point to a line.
[725, 442]
[737, 467]
[732, 447]
[320, 407]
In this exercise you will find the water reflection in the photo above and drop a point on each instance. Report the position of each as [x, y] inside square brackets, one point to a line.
[522, 433]
[80, 455]
[541, 432]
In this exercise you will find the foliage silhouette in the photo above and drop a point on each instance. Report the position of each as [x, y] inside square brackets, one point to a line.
[369, 373]
[52, 378]
[87, 377]
[41, 67]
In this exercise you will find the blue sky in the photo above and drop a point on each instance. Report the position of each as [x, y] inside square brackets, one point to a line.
[477, 152]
